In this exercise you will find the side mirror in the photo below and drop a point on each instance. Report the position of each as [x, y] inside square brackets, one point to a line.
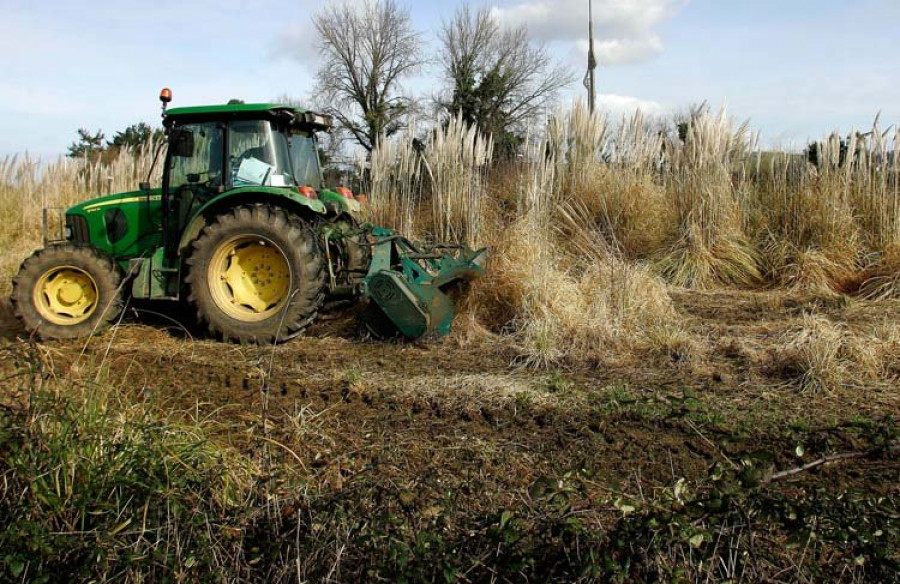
[183, 143]
[144, 186]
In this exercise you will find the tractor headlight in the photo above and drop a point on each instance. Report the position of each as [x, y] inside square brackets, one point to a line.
[68, 232]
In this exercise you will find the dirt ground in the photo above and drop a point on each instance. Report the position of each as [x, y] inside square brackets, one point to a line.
[454, 429]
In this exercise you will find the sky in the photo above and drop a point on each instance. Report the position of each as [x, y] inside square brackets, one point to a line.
[796, 69]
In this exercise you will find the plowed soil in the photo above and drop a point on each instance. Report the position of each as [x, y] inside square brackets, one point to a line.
[455, 428]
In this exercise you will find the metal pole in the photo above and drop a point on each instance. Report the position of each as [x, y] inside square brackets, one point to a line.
[590, 80]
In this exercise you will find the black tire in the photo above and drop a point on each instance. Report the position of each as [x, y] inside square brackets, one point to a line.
[31, 301]
[280, 230]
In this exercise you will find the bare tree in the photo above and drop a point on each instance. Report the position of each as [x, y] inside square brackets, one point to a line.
[497, 78]
[367, 50]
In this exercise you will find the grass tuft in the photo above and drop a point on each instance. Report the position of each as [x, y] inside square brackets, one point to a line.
[96, 485]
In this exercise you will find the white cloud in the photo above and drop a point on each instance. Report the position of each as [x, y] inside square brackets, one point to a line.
[618, 105]
[559, 19]
[298, 40]
[624, 29]
[621, 51]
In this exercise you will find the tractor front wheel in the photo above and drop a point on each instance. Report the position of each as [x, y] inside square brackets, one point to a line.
[256, 275]
[67, 291]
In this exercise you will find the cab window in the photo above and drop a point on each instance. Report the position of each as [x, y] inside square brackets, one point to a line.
[305, 159]
[196, 162]
[258, 155]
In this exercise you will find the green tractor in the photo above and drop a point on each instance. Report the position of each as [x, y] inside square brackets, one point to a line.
[242, 228]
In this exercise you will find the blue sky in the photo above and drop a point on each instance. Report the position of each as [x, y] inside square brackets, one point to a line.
[795, 68]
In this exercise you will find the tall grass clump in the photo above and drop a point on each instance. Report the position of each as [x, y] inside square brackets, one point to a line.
[874, 168]
[393, 183]
[821, 355]
[871, 174]
[610, 174]
[432, 187]
[561, 283]
[28, 185]
[456, 159]
[808, 233]
[559, 286]
[708, 244]
[814, 355]
[828, 219]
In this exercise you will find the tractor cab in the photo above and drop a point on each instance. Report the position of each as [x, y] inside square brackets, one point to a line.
[214, 150]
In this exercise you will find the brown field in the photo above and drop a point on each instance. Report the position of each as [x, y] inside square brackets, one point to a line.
[441, 440]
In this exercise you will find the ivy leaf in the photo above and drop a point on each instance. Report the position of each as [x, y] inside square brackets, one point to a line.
[624, 507]
[16, 567]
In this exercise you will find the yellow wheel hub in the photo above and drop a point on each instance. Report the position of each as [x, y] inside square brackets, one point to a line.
[249, 278]
[65, 295]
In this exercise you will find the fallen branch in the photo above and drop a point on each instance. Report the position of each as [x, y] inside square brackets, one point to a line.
[820, 462]
[831, 458]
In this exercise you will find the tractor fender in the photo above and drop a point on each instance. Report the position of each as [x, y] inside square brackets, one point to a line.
[281, 197]
[342, 203]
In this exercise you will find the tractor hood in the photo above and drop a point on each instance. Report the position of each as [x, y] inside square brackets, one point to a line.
[114, 200]
[123, 225]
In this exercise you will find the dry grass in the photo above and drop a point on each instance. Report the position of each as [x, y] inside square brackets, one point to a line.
[559, 285]
[815, 352]
[27, 186]
[820, 225]
[881, 280]
[394, 183]
[708, 242]
[887, 341]
[588, 216]
[433, 188]
[823, 355]
[455, 160]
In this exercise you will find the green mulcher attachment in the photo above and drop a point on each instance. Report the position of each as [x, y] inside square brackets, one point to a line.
[406, 284]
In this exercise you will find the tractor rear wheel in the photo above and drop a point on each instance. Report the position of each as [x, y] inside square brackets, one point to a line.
[67, 291]
[256, 275]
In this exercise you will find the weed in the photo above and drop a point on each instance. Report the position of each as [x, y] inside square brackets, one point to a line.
[558, 382]
[94, 485]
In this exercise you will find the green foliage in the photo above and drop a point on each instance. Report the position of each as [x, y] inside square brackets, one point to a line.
[95, 146]
[559, 382]
[701, 530]
[88, 144]
[135, 135]
[814, 149]
[475, 98]
[498, 80]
